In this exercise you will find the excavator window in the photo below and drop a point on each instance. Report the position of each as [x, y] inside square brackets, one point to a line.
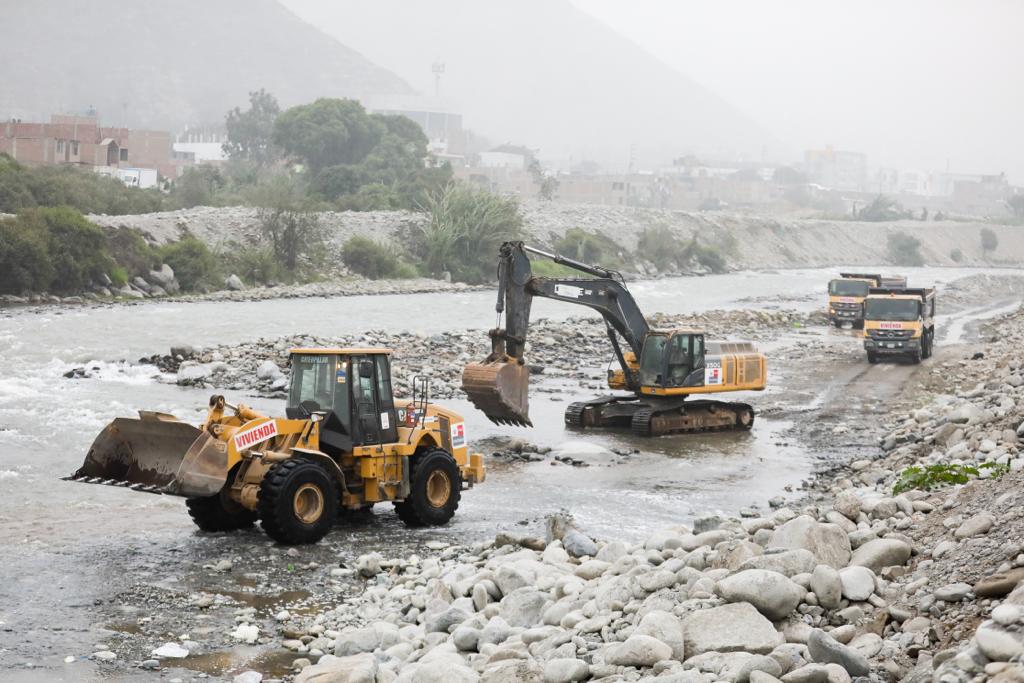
[679, 359]
[652, 359]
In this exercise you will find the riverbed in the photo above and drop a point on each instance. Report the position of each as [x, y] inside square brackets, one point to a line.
[76, 556]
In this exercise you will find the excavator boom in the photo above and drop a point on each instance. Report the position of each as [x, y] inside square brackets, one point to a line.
[499, 385]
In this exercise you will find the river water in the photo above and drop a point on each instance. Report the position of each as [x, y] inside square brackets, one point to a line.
[48, 527]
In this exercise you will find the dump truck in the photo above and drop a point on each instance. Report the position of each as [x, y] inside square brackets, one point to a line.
[661, 373]
[345, 444]
[846, 295]
[899, 323]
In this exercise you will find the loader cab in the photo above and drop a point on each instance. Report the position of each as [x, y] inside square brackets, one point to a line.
[349, 390]
[672, 359]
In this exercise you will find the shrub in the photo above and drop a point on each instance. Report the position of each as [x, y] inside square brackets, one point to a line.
[933, 476]
[904, 250]
[292, 234]
[374, 260]
[255, 264]
[662, 247]
[591, 248]
[130, 250]
[193, 263]
[198, 186]
[77, 249]
[957, 255]
[119, 276]
[24, 265]
[465, 228]
[22, 187]
[989, 240]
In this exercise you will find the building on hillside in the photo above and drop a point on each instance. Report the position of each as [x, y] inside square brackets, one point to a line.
[82, 141]
[835, 169]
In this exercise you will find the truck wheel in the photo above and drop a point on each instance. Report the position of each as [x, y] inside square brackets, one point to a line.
[915, 357]
[926, 345]
[436, 487]
[298, 502]
[219, 513]
[872, 357]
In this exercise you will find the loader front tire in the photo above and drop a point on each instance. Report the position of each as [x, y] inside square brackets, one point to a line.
[219, 513]
[298, 502]
[436, 487]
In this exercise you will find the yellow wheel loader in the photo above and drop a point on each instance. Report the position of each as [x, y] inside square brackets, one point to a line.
[345, 444]
[662, 370]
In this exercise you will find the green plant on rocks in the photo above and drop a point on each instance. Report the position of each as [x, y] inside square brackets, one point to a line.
[931, 477]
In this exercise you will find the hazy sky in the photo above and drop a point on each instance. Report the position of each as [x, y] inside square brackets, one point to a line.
[914, 83]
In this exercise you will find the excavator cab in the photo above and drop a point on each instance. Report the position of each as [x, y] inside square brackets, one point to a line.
[672, 359]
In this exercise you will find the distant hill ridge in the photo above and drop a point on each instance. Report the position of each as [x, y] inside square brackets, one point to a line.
[166, 65]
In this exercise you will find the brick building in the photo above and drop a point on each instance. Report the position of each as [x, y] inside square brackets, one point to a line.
[82, 141]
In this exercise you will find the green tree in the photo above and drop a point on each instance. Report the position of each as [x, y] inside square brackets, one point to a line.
[904, 250]
[546, 184]
[989, 240]
[251, 133]
[327, 132]
[882, 208]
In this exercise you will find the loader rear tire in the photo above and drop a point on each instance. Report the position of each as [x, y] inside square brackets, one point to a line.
[298, 502]
[436, 487]
[217, 513]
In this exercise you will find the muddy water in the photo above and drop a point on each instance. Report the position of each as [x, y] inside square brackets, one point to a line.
[70, 551]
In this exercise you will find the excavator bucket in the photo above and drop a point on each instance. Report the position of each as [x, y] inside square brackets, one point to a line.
[155, 453]
[500, 389]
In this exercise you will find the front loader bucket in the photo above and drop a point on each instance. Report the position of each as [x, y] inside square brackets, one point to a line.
[155, 453]
[500, 389]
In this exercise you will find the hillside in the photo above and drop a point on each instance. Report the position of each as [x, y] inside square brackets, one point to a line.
[545, 74]
[167, 65]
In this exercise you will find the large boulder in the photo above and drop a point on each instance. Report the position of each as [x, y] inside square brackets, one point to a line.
[788, 562]
[523, 607]
[379, 635]
[513, 671]
[827, 586]
[736, 627]
[771, 593]
[827, 542]
[362, 668]
[881, 552]
[234, 283]
[666, 627]
[824, 649]
[565, 670]
[858, 583]
[637, 650]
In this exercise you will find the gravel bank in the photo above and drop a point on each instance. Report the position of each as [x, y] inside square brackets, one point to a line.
[746, 241]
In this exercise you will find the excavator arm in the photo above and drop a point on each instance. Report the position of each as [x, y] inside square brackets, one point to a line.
[499, 385]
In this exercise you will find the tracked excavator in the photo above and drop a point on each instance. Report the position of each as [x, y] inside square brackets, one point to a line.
[660, 371]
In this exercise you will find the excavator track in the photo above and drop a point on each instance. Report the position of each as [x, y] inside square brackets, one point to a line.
[574, 414]
[693, 417]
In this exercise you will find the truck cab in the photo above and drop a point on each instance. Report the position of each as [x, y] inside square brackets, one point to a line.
[899, 322]
[846, 295]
